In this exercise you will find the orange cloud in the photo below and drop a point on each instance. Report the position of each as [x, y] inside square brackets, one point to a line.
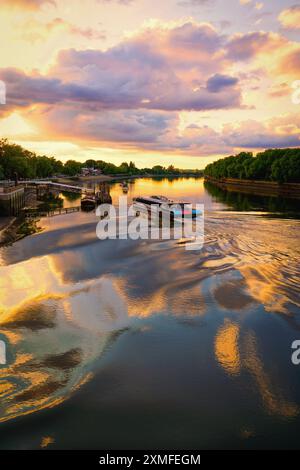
[133, 94]
[290, 18]
[290, 64]
[250, 45]
[33, 30]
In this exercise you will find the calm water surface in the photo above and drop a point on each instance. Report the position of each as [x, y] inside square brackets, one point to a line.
[125, 344]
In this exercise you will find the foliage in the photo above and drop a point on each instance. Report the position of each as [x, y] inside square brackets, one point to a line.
[28, 227]
[72, 168]
[281, 165]
[14, 160]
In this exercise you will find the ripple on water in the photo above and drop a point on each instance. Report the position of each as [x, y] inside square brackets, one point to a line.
[58, 311]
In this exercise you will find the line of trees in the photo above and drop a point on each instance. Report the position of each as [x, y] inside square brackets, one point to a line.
[281, 165]
[14, 159]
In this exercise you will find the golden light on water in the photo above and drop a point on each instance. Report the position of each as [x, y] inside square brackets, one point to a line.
[66, 303]
[273, 399]
[227, 348]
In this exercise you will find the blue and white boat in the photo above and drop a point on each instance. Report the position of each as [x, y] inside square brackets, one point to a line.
[177, 209]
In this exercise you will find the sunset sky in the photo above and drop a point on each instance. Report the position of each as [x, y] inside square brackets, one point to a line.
[153, 81]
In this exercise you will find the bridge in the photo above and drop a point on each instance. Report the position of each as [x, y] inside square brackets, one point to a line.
[59, 186]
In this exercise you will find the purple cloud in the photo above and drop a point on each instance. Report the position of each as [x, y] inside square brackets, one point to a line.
[246, 46]
[133, 92]
[219, 82]
[160, 70]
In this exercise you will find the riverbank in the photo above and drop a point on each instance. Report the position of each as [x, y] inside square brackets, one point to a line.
[82, 179]
[5, 224]
[16, 229]
[112, 178]
[257, 187]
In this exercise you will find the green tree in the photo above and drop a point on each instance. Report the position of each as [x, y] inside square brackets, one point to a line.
[44, 167]
[282, 165]
[72, 167]
[124, 168]
[90, 164]
[158, 170]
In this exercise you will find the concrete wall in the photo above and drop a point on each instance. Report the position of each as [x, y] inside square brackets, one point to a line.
[12, 200]
[263, 188]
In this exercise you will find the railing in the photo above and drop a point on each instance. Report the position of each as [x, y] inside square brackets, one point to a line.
[10, 189]
[51, 213]
[60, 186]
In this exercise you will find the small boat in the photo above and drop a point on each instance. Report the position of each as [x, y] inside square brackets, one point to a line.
[88, 203]
[178, 209]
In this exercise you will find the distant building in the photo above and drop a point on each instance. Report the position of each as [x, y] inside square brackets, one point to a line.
[90, 172]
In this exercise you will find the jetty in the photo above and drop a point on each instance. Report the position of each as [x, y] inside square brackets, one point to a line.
[61, 187]
[15, 196]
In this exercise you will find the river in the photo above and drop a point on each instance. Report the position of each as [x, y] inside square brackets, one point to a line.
[124, 344]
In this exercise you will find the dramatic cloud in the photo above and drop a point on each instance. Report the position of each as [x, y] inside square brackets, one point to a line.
[137, 93]
[279, 132]
[138, 127]
[290, 64]
[246, 46]
[219, 82]
[159, 131]
[276, 132]
[290, 18]
[159, 69]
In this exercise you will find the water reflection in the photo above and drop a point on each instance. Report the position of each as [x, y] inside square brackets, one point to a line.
[226, 347]
[251, 202]
[51, 345]
[271, 392]
[236, 351]
[70, 199]
[217, 323]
